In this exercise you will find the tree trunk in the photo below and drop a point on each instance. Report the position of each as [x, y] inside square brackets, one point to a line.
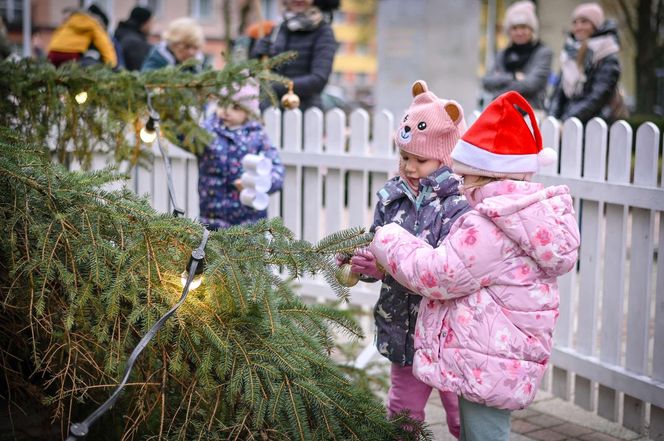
[645, 61]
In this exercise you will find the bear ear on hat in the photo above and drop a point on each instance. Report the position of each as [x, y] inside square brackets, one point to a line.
[419, 86]
[454, 110]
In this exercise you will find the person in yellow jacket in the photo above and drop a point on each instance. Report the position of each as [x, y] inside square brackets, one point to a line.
[80, 30]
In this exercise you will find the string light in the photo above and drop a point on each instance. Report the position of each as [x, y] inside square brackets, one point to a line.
[149, 132]
[81, 97]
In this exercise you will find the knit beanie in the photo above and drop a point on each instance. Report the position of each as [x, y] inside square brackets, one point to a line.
[246, 96]
[140, 15]
[591, 12]
[99, 13]
[431, 126]
[500, 144]
[521, 13]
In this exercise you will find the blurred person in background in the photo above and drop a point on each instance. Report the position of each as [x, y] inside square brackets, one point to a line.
[524, 66]
[182, 41]
[5, 47]
[81, 31]
[132, 34]
[590, 68]
[304, 30]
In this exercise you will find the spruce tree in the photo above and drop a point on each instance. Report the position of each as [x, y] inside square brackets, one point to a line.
[85, 272]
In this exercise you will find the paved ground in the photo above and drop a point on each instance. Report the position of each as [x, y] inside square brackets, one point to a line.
[547, 419]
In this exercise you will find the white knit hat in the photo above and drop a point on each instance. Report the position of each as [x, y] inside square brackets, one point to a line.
[521, 13]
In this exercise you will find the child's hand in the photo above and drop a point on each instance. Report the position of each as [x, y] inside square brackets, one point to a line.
[364, 262]
[238, 184]
[340, 259]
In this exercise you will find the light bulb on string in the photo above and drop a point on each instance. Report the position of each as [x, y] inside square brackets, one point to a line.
[149, 132]
[148, 136]
[195, 283]
[198, 274]
[81, 97]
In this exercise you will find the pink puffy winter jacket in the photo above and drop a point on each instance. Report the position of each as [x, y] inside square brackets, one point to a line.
[490, 292]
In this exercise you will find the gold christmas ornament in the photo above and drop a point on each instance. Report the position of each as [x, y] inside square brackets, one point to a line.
[290, 100]
[346, 277]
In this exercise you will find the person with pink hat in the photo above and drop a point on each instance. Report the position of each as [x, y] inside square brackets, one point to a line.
[524, 66]
[485, 325]
[424, 199]
[236, 132]
[590, 69]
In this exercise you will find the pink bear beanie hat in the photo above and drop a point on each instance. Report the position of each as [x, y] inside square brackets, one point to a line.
[431, 126]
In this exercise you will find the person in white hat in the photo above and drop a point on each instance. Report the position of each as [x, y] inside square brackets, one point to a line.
[524, 66]
[590, 69]
[484, 329]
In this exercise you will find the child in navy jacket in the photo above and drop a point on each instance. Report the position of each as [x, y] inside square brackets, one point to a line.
[236, 134]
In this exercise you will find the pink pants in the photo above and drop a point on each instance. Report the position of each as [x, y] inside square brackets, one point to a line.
[409, 393]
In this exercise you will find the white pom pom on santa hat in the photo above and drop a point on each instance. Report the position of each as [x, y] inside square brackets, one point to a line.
[547, 156]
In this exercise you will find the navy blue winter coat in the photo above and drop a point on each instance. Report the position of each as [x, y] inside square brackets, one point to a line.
[220, 165]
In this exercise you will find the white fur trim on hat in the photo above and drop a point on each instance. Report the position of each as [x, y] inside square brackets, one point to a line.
[476, 157]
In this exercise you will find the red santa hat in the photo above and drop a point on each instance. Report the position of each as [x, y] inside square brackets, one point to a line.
[501, 144]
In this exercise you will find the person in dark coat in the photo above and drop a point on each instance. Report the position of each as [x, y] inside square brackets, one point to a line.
[132, 34]
[523, 66]
[305, 31]
[590, 67]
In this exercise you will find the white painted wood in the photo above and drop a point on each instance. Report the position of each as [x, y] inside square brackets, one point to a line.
[550, 129]
[570, 166]
[292, 191]
[640, 280]
[594, 166]
[640, 275]
[611, 338]
[658, 355]
[191, 197]
[335, 125]
[567, 359]
[272, 120]
[358, 203]
[382, 146]
[313, 183]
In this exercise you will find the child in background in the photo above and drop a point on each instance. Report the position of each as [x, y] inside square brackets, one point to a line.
[485, 327]
[236, 133]
[424, 199]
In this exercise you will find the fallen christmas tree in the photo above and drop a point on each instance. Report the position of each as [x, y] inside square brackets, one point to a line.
[86, 272]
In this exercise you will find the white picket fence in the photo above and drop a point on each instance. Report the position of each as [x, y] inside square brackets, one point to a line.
[608, 355]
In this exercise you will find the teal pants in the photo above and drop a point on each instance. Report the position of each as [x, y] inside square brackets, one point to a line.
[482, 423]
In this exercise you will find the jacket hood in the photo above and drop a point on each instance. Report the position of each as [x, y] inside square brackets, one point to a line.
[82, 22]
[540, 220]
[443, 183]
[128, 27]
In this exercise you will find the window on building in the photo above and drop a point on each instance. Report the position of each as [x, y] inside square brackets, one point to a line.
[200, 9]
[11, 11]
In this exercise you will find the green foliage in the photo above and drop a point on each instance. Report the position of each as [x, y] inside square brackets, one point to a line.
[38, 101]
[85, 272]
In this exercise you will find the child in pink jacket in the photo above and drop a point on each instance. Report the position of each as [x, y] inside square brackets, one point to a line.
[490, 289]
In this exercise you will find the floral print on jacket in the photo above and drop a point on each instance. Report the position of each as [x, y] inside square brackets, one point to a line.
[220, 165]
[429, 216]
[485, 327]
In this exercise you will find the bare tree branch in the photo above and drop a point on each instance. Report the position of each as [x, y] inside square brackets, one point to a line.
[628, 18]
